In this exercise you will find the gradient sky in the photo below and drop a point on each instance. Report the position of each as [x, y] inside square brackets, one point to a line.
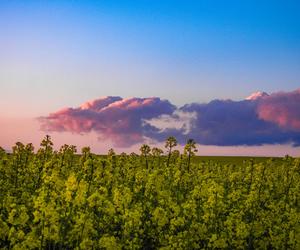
[56, 54]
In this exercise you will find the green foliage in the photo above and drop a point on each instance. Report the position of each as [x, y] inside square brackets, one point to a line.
[171, 142]
[59, 200]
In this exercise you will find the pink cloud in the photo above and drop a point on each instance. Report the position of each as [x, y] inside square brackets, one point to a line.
[282, 108]
[114, 118]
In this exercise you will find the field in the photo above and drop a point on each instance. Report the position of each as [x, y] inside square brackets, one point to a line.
[232, 159]
[66, 200]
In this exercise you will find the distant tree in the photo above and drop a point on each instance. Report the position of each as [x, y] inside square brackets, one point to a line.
[157, 152]
[2, 153]
[171, 142]
[175, 154]
[133, 155]
[112, 157]
[46, 147]
[86, 151]
[123, 154]
[85, 154]
[190, 150]
[111, 152]
[145, 151]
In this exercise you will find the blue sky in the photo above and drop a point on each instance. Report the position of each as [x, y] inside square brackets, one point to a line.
[62, 53]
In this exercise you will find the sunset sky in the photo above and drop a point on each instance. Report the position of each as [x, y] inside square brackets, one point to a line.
[121, 73]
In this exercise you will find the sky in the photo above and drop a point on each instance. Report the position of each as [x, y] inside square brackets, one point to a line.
[182, 68]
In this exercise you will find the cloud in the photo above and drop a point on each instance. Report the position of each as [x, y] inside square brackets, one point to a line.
[259, 119]
[283, 109]
[230, 123]
[114, 118]
[179, 120]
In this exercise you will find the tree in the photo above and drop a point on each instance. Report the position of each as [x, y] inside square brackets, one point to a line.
[112, 157]
[145, 151]
[111, 152]
[190, 150]
[171, 142]
[85, 154]
[157, 152]
[46, 147]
